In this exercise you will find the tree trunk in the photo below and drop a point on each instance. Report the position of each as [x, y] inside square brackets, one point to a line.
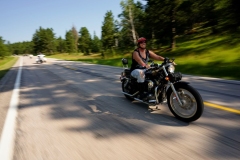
[132, 25]
[116, 42]
[173, 37]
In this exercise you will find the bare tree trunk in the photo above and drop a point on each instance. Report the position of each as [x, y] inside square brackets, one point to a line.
[75, 37]
[132, 25]
[173, 37]
[116, 42]
[173, 44]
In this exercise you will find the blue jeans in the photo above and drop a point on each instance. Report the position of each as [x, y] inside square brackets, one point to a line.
[139, 74]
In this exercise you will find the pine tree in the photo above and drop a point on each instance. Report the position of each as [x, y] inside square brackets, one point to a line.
[108, 31]
[69, 41]
[3, 48]
[96, 44]
[132, 22]
[44, 41]
[84, 41]
[61, 45]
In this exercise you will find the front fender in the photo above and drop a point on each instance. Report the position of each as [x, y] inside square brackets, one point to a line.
[180, 83]
[177, 84]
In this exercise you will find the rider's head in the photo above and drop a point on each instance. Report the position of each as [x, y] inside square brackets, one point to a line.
[142, 42]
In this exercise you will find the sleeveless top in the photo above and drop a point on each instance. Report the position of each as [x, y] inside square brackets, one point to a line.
[135, 64]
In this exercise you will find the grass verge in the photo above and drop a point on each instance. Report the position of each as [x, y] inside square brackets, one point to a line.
[6, 64]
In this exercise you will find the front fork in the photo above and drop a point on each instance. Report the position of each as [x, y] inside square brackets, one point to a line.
[176, 94]
[173, 88]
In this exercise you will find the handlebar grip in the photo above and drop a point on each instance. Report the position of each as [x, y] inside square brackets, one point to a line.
[166, 59]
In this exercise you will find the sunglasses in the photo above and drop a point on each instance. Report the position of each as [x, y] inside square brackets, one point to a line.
[142, 42]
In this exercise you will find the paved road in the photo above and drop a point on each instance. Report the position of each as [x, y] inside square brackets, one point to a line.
[76, 111]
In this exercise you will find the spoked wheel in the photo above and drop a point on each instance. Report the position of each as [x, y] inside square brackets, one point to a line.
[126, 88]
[192, 107]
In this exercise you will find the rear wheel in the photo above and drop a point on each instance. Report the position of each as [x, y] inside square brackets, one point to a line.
[192, 107]
[126, 88]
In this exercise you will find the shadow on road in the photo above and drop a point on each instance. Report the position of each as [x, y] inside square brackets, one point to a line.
[97, 101]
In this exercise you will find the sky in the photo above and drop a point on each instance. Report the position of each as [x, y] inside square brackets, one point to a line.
[21, 18]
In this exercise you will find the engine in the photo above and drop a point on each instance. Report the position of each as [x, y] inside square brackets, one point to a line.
[150, 85]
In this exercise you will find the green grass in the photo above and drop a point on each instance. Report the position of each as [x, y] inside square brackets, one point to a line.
[213, 56]
[6, 64]
[93, 58]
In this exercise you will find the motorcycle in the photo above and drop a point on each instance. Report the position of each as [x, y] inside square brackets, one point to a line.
[41, 58]
[163, 85]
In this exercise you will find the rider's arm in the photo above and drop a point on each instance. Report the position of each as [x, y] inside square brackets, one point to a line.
[155, 56]
[139, 60]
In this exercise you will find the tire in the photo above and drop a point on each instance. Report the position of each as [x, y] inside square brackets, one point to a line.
[124, 89]
[193, 106]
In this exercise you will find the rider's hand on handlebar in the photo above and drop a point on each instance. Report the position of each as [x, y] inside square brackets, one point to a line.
[147, 66]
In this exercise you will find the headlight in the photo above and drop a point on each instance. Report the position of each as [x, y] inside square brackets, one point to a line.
[171, 68]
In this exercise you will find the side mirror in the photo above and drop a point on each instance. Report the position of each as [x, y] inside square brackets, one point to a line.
[166, 60]
[124, 61]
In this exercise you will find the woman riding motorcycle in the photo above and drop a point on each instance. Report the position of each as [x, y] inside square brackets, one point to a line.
[140, 58]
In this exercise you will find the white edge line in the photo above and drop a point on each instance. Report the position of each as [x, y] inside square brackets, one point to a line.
[8, 132]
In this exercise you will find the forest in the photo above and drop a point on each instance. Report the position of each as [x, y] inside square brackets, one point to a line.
[163, 22]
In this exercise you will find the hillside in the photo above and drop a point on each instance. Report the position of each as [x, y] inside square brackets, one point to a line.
[212, 55]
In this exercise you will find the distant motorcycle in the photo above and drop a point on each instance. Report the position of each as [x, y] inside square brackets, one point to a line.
[41, 58]
[163, 85]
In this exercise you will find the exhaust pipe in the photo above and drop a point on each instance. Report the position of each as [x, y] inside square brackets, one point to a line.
[130, 94]
[150, 101]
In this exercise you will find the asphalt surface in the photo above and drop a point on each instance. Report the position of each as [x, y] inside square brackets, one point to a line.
[71, 110]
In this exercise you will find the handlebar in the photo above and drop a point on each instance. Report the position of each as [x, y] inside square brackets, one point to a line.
[154, 65]
[165, 61]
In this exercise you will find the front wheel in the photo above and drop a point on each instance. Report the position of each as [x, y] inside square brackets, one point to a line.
[192, 107]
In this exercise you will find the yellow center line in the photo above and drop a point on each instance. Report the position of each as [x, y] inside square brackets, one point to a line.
[222, 107]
